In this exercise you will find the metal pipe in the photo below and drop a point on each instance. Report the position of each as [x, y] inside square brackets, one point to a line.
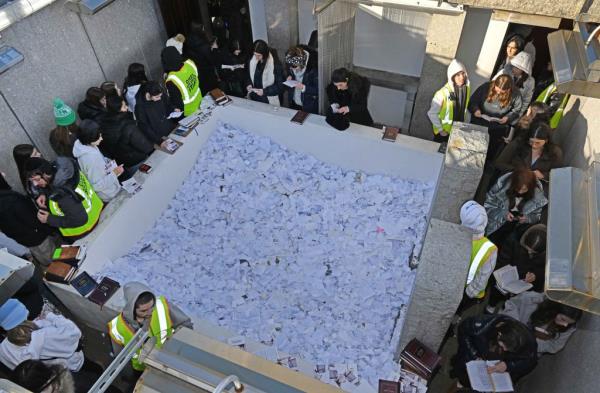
[120, 361]
[318, 10]
[592, 35]
[239, 388]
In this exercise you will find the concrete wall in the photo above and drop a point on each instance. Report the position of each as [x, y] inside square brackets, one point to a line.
[65, 53]
[563, 8]
[307, 22]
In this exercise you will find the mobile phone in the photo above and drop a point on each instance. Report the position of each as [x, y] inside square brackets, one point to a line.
[145, 168]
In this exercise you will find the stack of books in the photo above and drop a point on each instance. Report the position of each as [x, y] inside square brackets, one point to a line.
[65, 262]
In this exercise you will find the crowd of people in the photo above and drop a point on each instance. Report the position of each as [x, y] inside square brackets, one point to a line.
[507, 216]
[119, 128]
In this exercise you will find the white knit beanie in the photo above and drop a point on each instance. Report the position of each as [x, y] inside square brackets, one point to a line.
[473, 217]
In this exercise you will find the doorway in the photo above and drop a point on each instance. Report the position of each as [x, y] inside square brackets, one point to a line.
[227, 20]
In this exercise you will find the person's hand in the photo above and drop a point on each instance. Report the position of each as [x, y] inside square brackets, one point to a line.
[42, 215]
[118, 170]
[299, 86]
[507, 140]
[499, 367]
[530, 277]
[289, 78]
[522, 219]
[510, 217]
[477, 113]
[343, 110]
[41, 201]
[259, 92]
[443, 133]
[504, 120]
[237, 52]
[176, 110]
[538, 174]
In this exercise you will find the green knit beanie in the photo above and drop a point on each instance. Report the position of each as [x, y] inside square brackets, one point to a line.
[63, 114]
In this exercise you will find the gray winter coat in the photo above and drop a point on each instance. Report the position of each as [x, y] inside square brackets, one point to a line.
[521, 307]
[497, 205]
[132, 290]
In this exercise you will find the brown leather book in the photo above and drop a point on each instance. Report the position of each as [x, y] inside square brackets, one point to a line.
[299, 117]
[420, 359]
[219, 96]
[389, 386]
[67, 253]
[104, 291]
[390, 133]
[59, 272]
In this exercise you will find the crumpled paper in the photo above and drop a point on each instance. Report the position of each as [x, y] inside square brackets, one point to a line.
[282, 248]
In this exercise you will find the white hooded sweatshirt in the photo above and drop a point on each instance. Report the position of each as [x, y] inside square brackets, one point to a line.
[94, 165]
[436, 103]
[55, 342]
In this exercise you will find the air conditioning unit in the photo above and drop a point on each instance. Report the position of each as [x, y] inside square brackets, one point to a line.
[575, 57]
[88, 7]
[573, 251]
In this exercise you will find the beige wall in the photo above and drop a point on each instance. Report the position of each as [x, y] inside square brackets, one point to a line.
[561, 8]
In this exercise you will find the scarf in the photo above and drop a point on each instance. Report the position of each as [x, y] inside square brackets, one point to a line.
[268, 76]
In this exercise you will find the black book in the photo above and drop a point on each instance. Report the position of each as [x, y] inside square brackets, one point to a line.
[104, 291]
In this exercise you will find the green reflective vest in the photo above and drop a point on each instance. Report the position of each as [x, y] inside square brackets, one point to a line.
[161, 327]
[91, 203]
[186, 80]
[480, 253]
[545, 97]
[446, 114]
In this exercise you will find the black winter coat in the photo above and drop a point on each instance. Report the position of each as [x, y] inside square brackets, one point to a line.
[355, 97]
[256, 80]
[206, 60]
[18, 219]
[310, 96]
[122, 139]
[152, 117]
[87, 110]
[512, 253]
[474, 337]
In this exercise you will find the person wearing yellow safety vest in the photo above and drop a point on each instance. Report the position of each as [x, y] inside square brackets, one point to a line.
[67, 200]
[556, 101]
[450, 103]
[483, 252]
[144, 310]
[181, 82]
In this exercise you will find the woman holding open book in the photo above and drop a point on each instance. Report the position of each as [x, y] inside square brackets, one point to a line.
[553, 323]
[496, 105]
[494, 338]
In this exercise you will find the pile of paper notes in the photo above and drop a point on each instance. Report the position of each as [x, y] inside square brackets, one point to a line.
[279, 247]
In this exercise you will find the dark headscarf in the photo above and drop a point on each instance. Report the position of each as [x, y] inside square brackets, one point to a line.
[171, 59]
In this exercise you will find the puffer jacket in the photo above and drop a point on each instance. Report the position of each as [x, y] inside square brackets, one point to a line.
[122, 140]
[497, 204]
[95, 167]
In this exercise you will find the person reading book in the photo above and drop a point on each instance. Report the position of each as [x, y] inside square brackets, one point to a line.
[152, 112]
[347, 94]
[528, 254]
[144, 310]
[494, 337]
[302, 79]
[553, 323]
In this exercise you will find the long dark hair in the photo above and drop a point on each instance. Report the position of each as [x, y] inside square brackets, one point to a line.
[512, 333]
[262, 48]
[94, 95]
[540, 130]
[547, 311]
[21, 154]
[136, 75]
[519, 178]
[355, 81]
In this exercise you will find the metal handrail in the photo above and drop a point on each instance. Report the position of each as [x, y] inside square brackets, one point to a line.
[239, 388]
[318, 10]
[109, 375]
